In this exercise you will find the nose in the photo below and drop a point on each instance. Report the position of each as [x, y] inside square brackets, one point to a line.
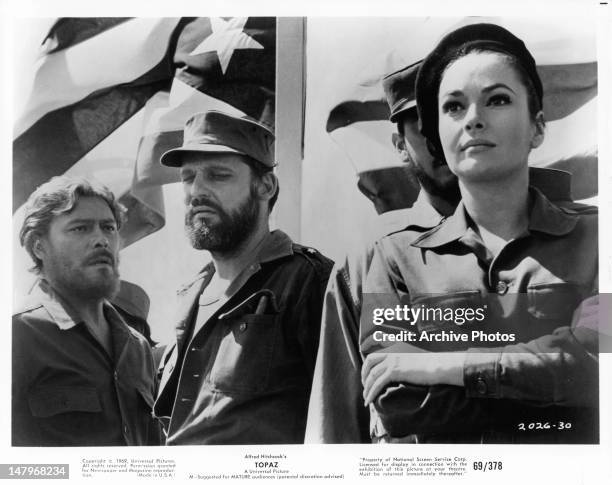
[473, 118]
[199, 188]
[100, 238]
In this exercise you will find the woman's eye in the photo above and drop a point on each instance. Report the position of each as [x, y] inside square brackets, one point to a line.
[499, 100]
[451, 107]
[79, 228]
[110, 228]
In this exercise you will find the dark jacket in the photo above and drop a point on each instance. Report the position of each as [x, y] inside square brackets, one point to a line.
[67, 391]
[245, 376]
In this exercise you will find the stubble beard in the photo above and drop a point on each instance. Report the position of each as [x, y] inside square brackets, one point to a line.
[76, 282]
[448, 191]
[230, 232]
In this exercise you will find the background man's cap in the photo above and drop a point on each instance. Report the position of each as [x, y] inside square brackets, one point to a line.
[217, 132]
[399, 89]
[132, 299]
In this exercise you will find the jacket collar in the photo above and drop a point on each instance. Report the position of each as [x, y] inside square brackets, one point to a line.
[276, 245]
[422, 214]
[544, 217]
[61, 313]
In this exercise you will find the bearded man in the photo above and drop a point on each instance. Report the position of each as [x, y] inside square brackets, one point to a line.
[81, 376]
[241, 368]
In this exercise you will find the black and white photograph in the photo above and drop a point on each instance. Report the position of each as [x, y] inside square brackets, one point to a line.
[364, 246]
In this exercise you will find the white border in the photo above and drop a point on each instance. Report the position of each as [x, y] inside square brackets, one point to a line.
[532, 464]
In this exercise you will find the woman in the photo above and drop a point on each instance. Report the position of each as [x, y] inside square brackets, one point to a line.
[525, 262]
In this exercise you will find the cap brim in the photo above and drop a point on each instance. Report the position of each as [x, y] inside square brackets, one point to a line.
[173, 158]
[400, 109]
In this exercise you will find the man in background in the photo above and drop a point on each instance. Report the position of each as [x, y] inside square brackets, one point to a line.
[336, 413]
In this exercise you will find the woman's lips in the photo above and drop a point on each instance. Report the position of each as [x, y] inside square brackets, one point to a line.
[477, 145]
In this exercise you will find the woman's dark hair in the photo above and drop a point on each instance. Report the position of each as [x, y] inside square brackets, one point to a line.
[460, 42]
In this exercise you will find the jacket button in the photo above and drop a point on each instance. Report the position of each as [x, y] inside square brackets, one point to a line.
[502, 287]
[481, 386]
[243, 327]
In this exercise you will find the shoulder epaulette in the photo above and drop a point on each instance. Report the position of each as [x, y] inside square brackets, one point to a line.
[314, 257]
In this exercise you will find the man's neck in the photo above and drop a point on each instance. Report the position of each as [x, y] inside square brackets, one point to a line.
[229, 265]
[89, 310]
[441, 205]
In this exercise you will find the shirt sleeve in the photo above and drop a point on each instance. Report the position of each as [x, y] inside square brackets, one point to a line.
[336, 412]
[560, 368]
[404, 408]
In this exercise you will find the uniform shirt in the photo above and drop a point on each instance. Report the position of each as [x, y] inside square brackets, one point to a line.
[336, 412]
[530, 288]
[244, 376]
[491, 374]
[67, 390]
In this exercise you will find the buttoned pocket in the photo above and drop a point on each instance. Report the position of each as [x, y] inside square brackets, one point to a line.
[448, 313]
[47, 401]
[553, 303]
[245, 352]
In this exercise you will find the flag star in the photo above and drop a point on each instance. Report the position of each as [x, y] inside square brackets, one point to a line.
[226, 37]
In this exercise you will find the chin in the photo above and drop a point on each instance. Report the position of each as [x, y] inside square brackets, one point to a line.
[474, 169]
[100, 286]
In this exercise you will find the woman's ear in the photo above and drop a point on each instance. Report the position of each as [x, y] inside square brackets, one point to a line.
[540, 130]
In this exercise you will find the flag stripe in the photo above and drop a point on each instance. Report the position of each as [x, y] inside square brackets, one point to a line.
[116, 56]
[351, 112]
[67, 32]
[64, 136]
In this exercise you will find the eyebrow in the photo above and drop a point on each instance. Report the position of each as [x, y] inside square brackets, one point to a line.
[92, 221]
[487, 89]
[209, 166]
[497, 85]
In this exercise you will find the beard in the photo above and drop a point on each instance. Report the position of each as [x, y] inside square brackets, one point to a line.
[232, 229]
[84, 281]
[447, 190]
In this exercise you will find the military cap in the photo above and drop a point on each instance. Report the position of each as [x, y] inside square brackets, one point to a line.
[217, 132]
[399, 89]
[483, 36]
[132, 299]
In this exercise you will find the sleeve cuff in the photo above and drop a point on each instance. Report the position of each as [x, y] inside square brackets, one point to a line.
[481, 374]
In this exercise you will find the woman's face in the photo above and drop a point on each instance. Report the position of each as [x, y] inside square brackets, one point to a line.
[485, 127]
